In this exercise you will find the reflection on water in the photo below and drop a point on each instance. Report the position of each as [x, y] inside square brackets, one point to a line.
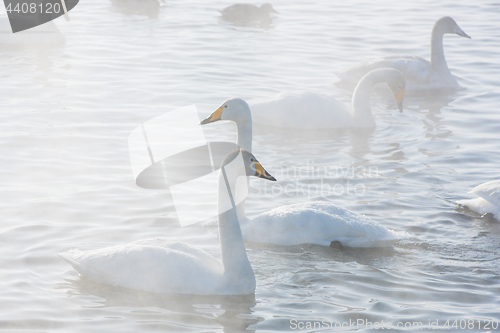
[233, 313]
[66, 113]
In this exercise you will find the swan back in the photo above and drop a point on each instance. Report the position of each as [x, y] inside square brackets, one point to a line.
[489, 191]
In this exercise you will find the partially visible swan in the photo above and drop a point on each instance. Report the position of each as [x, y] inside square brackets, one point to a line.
[246, 13]
[160, 266]
[488, 201]
[311, 111]
[318, 223]
[44, 35]
[420, 74]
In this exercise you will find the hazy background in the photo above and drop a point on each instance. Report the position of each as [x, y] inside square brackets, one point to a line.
[66, 112]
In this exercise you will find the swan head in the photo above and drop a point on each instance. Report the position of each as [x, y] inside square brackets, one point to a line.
[447, 25]
[252, 165]
[267, 8]
[234, 109]
[397, 83]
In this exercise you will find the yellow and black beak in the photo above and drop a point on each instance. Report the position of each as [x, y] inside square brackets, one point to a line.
[399, 99]
[262, 173]
[215, 116]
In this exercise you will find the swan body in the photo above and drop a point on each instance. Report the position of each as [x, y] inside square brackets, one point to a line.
[310, 110]
[420, 74]
[488, 201]
[246, 13]
[160, 266]
[319, 223]
[305, 223]
[44, 35]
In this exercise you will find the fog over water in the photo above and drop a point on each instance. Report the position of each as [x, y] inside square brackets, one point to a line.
[66, 113]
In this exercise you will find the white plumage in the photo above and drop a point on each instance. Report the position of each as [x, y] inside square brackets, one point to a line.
[319, 223]
[304, 223]
[160, 266]
[420, 74]
[309, 110]
[488, 201]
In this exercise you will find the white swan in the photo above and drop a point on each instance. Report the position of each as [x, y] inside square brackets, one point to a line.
[161, 266]
[488, 201]
[312, 111]
[420, 74]
[304, 223]
[44, 35]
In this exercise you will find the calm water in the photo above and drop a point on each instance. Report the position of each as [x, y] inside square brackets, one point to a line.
[66, 113]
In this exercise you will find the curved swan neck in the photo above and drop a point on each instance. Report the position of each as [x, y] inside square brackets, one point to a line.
[244, 128]
[234, 256]
[361, 110]
[438, 60]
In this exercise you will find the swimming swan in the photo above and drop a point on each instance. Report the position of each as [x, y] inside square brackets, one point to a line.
[160, 266]
[420, 74]
[488, 201]
[318, 223]
[311, 111]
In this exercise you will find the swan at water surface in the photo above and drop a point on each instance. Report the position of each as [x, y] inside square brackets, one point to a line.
[313, 111]
[420, 74]
[488, 201]
[320, 223]
[159, 265]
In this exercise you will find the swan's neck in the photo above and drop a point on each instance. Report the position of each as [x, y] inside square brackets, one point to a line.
[361, 110]
[438, 60]
[237, 268]
[244, 127]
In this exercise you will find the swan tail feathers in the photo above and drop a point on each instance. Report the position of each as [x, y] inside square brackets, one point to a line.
[85, 271]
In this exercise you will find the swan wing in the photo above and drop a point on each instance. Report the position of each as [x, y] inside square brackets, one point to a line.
[150, 265]
[318, 223]
[489, 191]
[301, 110]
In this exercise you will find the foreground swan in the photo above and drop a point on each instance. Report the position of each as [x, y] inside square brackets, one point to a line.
[160, 266]
[488, 201]
[318, 223]
[311, 111]
[420, 74]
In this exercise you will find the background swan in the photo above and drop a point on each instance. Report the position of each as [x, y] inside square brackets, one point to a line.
[160, 266]
[419, 73]
[311, 111]
[318, 223]
[488, 201]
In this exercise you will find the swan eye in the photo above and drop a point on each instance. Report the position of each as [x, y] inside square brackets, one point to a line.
[225, 106]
